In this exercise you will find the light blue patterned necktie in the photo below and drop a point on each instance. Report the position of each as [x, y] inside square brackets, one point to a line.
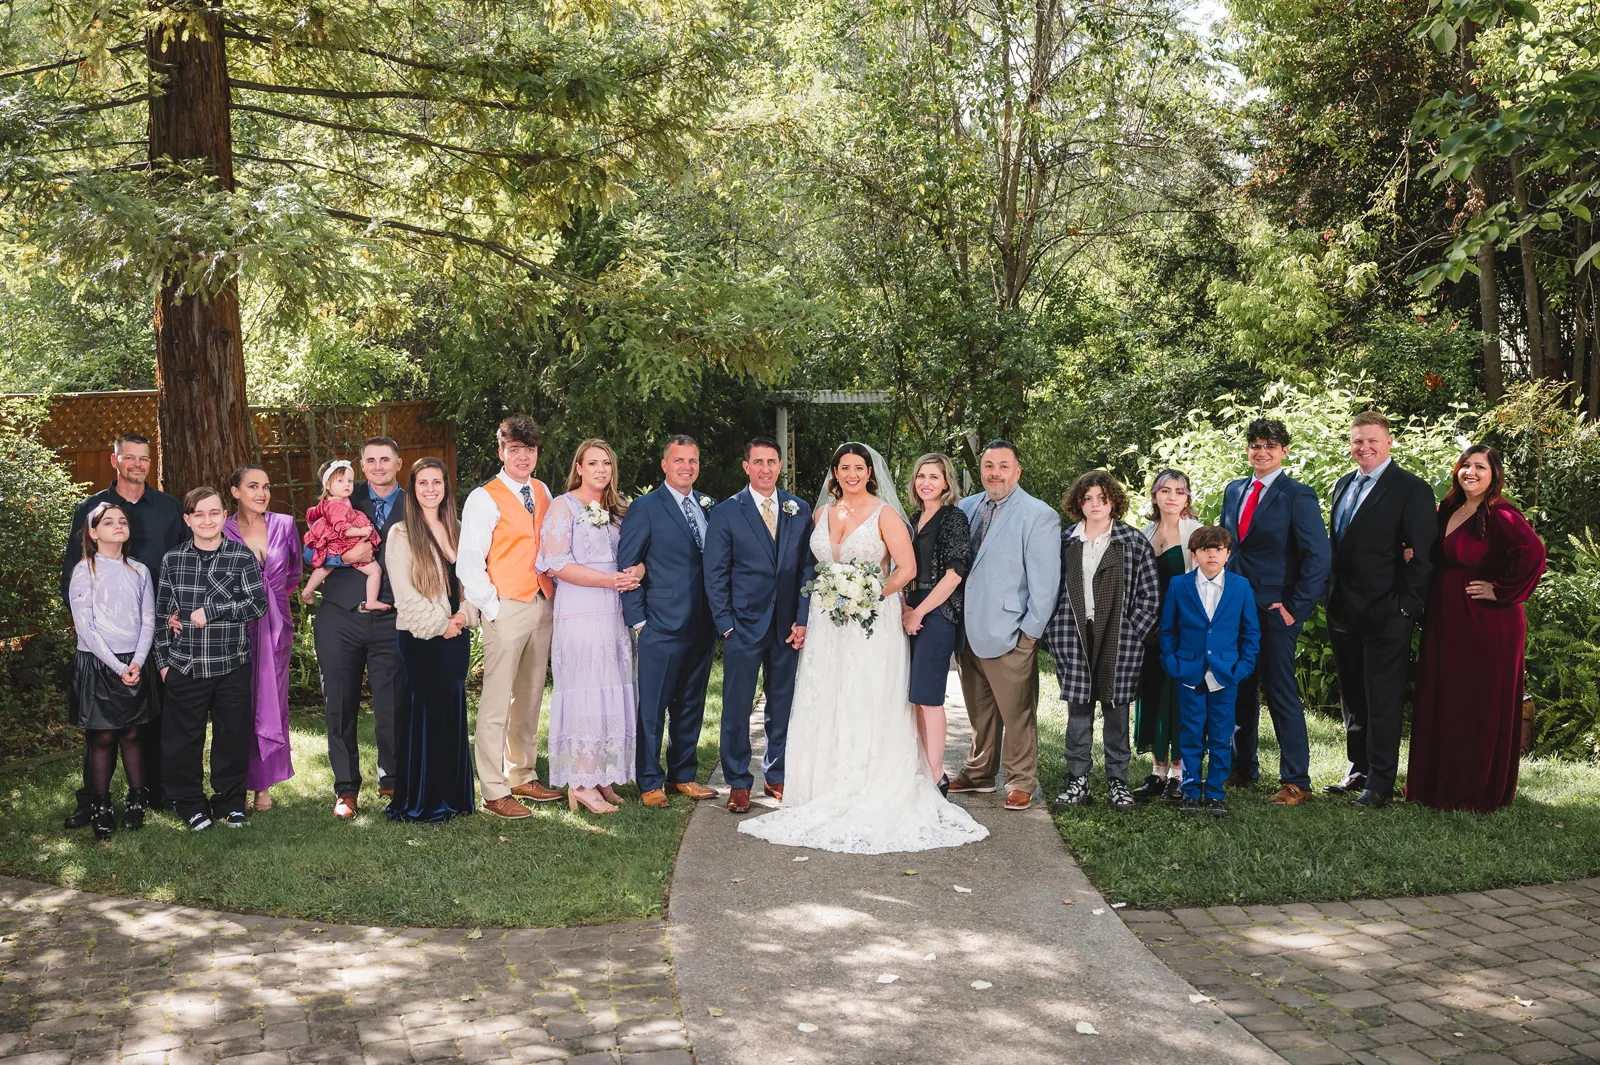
[1351, 500]
[688, 514]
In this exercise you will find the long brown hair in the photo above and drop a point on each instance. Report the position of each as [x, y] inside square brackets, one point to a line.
[96, 516]
[429, 579]
[611, 499]
[1457, 497]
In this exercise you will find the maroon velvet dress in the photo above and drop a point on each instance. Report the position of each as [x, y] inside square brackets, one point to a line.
[1466, 732]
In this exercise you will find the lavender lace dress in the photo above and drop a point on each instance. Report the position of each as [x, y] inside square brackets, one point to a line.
[593, 699]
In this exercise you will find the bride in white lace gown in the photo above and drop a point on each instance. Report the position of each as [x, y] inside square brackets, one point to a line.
[857, 781]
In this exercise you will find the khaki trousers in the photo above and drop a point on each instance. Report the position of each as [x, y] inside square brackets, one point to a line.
[516, 650]
[1003, 705]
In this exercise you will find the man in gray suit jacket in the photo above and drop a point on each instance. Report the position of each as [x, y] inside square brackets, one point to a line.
[1010, 595]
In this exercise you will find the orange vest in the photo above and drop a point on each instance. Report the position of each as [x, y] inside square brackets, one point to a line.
[515, 543]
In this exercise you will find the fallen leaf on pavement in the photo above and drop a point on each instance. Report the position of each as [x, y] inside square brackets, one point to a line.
[981, 985]
[909, 872]
[1197, 998]
[930, 957]
[802, 858]
[1118, 905]
[887, 978]
[1085, 1028]
[1070, 902]
[806, 1027]
[476, 933]
[738, 880]
[1098, 910]
[715, 1011]
[1522, 1001]
[963, 890]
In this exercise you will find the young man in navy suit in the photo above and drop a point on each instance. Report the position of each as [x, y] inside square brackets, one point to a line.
[1209, 640]
[666, 530]
[1281, 548]
[757, 558]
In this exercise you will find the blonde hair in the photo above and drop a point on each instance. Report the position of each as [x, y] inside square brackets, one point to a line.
[949, 497]
[611, 499]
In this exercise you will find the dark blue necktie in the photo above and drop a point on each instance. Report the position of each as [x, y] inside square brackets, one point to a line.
[688, 513]
[380, 513]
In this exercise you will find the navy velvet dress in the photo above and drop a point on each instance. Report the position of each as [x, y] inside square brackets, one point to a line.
[434, 780]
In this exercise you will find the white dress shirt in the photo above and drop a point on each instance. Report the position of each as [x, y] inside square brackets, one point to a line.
[479, 516]
[1093, 551]
[1210, 590]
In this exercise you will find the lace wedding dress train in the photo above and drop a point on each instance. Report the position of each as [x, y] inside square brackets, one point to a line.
[856, 780]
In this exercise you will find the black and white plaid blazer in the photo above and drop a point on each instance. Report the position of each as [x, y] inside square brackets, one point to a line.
[226, 584]
[1139, 609]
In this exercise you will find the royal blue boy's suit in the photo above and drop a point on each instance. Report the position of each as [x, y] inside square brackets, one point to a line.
[1285, 556]
[1191, 643]
[678, 637]
[753, 583]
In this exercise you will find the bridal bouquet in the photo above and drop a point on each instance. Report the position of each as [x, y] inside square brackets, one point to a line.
[847, 591]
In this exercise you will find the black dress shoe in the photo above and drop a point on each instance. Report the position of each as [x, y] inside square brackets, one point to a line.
[1149, 790]
[1372, 800]
[1172, 795]
[944, 784]
[1353, 784]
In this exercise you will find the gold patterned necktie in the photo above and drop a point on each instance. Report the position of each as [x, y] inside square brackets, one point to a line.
[770, 517]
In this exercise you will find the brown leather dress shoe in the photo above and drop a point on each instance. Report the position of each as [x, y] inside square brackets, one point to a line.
[1290, 795]
[959, 784]
[536, 791]
[347, 806]
[387, 793]
[695, 791]
[1016, 800]
[507, 807]
[774, 791]
[654, 799]
[739, 800]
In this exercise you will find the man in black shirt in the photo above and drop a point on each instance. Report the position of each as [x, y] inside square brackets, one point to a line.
[210, 591]
[155, 526]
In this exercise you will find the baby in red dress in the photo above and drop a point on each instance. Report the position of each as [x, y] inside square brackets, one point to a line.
[334, 526]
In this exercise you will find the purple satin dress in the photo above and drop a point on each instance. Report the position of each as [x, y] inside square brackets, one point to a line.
[271, 636]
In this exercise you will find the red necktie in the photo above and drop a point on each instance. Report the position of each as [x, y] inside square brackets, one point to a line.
[1248, 511]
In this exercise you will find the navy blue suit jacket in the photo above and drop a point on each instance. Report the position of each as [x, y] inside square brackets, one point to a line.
[671, 600]
[1225, 643]
[1286, 555]
[752, 583]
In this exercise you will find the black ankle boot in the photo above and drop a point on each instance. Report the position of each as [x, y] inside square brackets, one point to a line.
[102, 818]
[133, 813]
[79, 818]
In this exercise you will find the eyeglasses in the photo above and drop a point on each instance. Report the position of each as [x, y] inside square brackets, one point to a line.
[1266, 445]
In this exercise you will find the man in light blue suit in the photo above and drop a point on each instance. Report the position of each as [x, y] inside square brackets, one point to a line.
[1011, 592]
[757, 558]
[666, 530]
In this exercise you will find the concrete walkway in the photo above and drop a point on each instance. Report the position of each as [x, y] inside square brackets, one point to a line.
[766, 939]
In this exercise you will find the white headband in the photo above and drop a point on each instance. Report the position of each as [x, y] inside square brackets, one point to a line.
[94, 515]
[335, 467]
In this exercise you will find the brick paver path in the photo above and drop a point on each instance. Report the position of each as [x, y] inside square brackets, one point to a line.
[91, 980]
[1507, 977]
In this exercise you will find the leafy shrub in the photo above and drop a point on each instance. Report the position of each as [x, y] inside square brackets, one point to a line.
[37, 495]
[1564, 652]
[1552, 457]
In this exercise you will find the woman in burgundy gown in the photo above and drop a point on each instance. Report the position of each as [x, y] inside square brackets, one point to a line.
[1467, 728]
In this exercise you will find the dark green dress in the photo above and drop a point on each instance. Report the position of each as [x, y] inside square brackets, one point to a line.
[1155, 714]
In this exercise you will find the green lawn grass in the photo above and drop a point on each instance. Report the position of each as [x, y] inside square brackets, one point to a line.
[1325, 849]
[554, 868]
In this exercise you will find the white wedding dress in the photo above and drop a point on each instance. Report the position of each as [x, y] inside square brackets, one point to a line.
[856, 780]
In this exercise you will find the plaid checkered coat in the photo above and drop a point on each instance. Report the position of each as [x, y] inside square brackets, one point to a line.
[1136, 606]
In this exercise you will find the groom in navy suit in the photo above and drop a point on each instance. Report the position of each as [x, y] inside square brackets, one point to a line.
[757, 557]
[666, 530]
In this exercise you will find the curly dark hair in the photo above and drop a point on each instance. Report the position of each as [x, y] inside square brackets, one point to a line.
[1115, 494]
[1270, 430]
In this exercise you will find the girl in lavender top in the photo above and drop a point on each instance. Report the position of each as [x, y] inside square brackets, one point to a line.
[593, 699]
[113, 609]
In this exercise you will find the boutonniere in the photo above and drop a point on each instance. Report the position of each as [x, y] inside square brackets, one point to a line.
[790, 507]
[596, 515]
[706, 502]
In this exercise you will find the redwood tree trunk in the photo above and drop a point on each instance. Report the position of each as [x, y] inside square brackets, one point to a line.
[203, 415]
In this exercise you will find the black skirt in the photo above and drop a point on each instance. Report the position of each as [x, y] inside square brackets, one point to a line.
[99, 698]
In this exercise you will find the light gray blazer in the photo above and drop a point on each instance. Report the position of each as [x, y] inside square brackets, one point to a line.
[1012, 586]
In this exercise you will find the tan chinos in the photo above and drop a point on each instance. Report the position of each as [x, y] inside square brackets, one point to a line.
[1002, 697]
[516, 651]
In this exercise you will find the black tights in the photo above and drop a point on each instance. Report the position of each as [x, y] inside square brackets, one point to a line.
[100, 758]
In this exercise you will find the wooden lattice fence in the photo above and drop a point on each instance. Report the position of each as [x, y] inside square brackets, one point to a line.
[289, 442]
